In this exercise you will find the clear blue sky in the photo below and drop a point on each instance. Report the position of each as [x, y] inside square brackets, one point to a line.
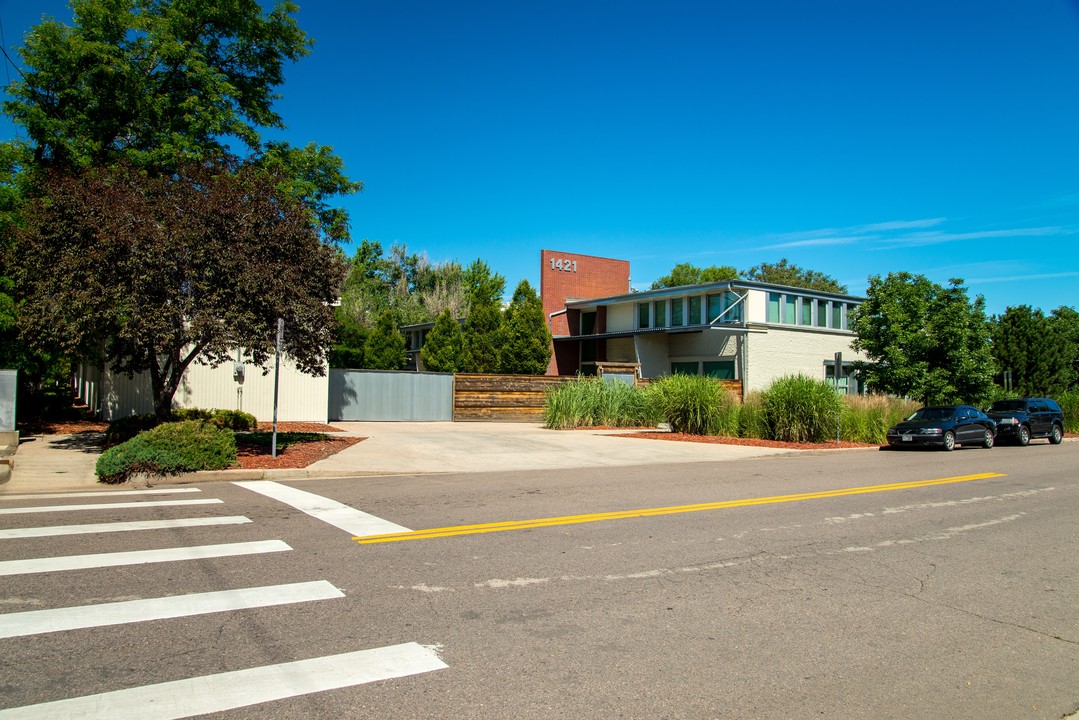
[855, 138]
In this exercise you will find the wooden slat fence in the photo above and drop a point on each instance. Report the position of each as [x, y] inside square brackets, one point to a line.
[511, 398]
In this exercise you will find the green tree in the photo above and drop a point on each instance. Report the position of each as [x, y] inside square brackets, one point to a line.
[350, 337]
[163, 86]
[483, 325]
[1033, 349]
[385, 347]
[153, 82]
[443, 351]
[687, 274]
[154, 273]
[1066, 324]
[786, 273]
[925, 341]
[526, 341]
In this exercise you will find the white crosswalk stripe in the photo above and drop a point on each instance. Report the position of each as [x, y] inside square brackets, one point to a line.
[127, 526]
[345, 517]
[36, 622]
[99, 493]
[240, 688]
[106, 506]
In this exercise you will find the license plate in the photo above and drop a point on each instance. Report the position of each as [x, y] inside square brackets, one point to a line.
[907, 438]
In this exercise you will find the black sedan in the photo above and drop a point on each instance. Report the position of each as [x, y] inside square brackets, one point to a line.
[944, 426]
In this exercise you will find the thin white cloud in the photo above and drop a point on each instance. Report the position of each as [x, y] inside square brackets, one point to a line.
[1014, 278]
[857, 231]
[921, 239]
[817, 242]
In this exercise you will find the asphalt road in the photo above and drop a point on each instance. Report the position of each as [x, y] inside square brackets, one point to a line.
[954, 600]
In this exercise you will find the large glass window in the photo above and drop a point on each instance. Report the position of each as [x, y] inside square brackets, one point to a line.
[773, 307]
[661, 313]
[684, 368]
[837, 315]
[678, 316]
[643, 315]
[695, 310]
[822, 313]
[789, 309]
[716, 307]
[807, 311]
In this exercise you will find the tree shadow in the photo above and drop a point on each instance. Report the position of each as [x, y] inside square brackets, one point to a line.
[87, 442]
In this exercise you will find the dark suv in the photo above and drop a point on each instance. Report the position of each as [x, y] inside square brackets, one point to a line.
[1021, 419]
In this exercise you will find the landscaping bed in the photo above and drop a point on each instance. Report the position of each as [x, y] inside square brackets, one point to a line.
[749, 442]
[292, 451]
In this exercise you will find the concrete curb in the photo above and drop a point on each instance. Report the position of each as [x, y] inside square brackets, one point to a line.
[6, 464]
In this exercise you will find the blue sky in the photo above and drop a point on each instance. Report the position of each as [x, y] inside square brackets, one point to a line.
[855, 138]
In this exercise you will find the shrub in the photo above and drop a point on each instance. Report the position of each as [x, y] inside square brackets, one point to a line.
[182, 414]
[234, 420]
[751, 420]
[588, 402]
[695, 404]
[801, 409]
[125, 428]
[866, 419]
[1069, 404]
[169, 449]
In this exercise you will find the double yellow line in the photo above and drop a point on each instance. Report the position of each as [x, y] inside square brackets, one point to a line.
[651, 512]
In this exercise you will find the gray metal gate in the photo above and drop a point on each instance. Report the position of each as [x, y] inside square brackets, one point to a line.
[357, 395]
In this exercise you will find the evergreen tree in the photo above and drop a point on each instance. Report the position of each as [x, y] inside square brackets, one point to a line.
[484, 323]
[444, 348]
[1034, 349]
[350, 336]
[385, 347]
[526, 340]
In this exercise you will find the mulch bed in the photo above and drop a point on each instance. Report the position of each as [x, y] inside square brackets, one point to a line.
[295, 455]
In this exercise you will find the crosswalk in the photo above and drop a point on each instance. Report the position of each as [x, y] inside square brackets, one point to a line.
[191, 696]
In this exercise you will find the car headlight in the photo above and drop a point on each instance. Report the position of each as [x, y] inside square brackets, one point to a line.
[930, 431]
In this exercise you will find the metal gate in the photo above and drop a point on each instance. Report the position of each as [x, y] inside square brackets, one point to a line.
[357, 395]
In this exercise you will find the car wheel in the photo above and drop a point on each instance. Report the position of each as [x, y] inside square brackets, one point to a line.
[987, 439]
[1023, 436]
[949, 440]
[1056, 435]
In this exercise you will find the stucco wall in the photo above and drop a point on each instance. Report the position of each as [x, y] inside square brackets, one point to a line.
[621, 350]
[652, 355]
[788, 351]
[620, 317]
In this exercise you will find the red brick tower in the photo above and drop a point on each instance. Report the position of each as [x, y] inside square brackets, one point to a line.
[570, 276]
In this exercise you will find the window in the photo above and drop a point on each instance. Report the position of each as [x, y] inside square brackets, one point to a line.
[678, 316]
[837, 315]
[722, 369]
[822, 313]
[695, 310]
[773, 307]
[661, 313]
[588, 323]
[643, 315]
[684, 368]
[789, 309]
[807, 311]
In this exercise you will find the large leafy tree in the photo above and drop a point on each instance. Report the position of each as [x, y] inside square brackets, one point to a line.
[161, 87]
[925, 340]
[688, 274]
[785, 272]
[1033, 348]
[526, 340]
[158, 272]
[1066, 324]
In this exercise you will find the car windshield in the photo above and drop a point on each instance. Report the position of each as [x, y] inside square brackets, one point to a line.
[1008, 405]
[926, 414]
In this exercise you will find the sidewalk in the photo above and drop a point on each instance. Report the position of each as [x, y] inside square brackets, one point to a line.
[54, 463]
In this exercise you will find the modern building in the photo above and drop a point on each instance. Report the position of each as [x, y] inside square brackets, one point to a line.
[737, 330]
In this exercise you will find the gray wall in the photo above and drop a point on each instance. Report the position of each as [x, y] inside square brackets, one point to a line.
[8, 384]
[357, 395]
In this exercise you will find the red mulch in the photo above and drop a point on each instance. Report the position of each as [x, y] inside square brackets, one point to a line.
[296, 455]
[752, 442]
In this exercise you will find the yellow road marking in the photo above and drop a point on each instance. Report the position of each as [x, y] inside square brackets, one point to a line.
[650, 512]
